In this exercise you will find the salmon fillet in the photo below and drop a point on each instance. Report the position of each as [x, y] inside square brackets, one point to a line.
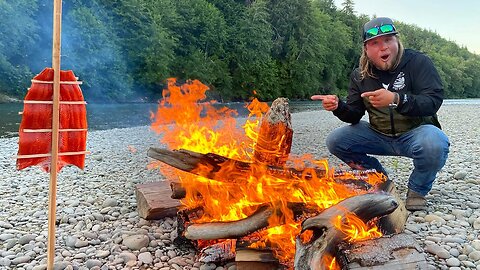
[39, 116]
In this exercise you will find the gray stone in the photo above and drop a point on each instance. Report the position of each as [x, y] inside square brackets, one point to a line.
[453, 262]
[136, 242]
[21, 259]
[127, 256]
[145, 257]
[460, 175]
[26, 239]
[93, 263]
[110, 202]
[474, 255]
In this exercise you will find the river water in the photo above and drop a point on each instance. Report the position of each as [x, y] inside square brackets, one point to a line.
[107, 116]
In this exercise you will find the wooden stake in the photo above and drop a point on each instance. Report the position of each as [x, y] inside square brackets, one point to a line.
[42, 130]
[62, 82]
[52, 205]
[49, 155]
[51, 102]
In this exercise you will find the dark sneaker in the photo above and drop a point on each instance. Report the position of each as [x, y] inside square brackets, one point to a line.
[415, 201]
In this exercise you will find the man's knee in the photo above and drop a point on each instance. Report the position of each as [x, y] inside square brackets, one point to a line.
[335, 139]
[433, 149]
[437, 145]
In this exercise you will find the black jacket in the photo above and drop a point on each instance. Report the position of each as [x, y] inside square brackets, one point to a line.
[419, 87]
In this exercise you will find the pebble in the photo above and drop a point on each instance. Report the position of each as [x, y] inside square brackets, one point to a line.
[136, 242]
[98, 226]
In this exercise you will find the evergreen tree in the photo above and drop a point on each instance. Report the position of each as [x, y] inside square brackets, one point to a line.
[91, 50]
[251, 63]
[17, 40]
[299, 47]
[200, 54]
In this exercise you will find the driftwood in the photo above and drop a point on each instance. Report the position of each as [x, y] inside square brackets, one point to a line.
[256, 259]
[274, 140]
[243, 227]
[219, 252]
[153, 201]
[398, 251]
[178, 191]
[216, 167]
[310, 255]
[231, 229]
[393, 223]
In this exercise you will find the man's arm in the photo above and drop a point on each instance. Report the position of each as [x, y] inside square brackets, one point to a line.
[353, 109]
[427, 89]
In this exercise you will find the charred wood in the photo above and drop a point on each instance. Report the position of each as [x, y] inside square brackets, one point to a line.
[178, 192]
[274, 140]
[216, 167]
[230, 229]
[184, 216]
[219, 252]
[398, 251]
[310, 254]
[393, 223]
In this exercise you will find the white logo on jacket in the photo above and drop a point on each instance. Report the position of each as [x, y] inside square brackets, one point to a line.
[399, 82]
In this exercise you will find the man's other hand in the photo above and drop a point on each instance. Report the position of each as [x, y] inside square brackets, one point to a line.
[379, 98]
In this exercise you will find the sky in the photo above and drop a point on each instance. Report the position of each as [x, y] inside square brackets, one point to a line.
[457, 21]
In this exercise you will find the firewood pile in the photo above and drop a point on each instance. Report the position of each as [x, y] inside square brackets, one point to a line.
[321, 242]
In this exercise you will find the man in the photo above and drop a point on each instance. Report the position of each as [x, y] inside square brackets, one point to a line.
[402, 92]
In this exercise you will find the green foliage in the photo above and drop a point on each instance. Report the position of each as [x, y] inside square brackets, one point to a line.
[202, 36]
[16, 41]
[300, 47]
[251, 64]
[124, 50]
[91, 47]
[458, 68]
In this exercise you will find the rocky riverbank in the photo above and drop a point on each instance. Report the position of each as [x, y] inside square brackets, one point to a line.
[98, 226]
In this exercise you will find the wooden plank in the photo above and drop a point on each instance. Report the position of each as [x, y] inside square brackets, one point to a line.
[257, 266]
[395, 252]
[154, 201]
[254, 255]
[249, 259]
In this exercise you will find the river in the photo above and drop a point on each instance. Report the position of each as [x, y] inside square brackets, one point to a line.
[107, 116]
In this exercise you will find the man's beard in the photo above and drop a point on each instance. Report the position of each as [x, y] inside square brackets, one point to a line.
[385, 66]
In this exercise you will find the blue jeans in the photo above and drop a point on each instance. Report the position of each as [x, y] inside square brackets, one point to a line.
[427, 145]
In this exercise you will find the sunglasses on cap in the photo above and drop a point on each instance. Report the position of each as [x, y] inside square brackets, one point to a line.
[379, 30]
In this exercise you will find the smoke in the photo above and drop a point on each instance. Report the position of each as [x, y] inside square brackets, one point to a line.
[89, 47]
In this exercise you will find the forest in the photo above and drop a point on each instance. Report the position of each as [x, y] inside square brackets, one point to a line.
[124, 50]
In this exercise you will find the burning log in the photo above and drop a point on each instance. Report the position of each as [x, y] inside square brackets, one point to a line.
[231, 229]
[178, 192]
[218, 252]
[274, 140]
[215, 167]
[243, 227]
[398, 251]
[310, 255]
[395, 222]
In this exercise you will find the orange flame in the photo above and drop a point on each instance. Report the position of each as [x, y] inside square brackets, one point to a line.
[355, 229]
[185, 120]
[330, 263]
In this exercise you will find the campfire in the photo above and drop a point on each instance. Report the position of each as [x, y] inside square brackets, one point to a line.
[241, 188]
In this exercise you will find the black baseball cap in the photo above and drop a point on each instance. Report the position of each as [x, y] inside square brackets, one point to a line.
[377, 27]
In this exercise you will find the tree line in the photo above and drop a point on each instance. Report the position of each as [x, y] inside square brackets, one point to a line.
[124, 50]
